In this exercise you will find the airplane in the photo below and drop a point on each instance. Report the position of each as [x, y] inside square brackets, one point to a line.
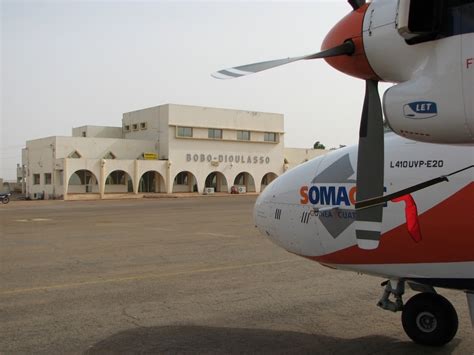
[397, 205]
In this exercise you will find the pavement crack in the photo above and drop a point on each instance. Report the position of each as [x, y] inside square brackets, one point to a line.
[131, 319]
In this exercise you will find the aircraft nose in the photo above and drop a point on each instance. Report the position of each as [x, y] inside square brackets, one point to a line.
[262, 208]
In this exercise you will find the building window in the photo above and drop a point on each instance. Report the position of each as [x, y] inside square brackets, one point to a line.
[109, 155]
[214, 133]
[36, 179]
[75, 155]
[47, 178]
[270, 137]
[143, 125]
[185, 132]
[126, 128]
[243, 135]
[135, 127]
[182, 178]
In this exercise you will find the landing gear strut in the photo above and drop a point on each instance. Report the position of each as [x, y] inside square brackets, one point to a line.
[427, 318]
[395, 288]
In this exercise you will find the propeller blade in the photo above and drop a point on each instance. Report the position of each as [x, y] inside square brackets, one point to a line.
[347, 48]
[356, 3]
[370, 168]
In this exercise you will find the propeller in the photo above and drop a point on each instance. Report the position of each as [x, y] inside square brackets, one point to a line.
[370, 156]
[346, 48]
[370, 168]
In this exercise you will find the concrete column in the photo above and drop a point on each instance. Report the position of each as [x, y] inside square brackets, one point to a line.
[201, 182]
[65, 179]
[135, 181]
[102, 178]
[169, 178]
[258, 185]
[230, 181]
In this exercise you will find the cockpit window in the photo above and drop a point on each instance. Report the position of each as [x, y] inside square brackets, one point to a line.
[431, 20]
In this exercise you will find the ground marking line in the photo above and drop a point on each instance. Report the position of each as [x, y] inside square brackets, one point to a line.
[142, 277]
[33, 220]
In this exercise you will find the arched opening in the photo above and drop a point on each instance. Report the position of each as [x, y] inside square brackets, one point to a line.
[118, 181]
[185, 182]
[245, 180]
[151, 181]
[217, 181]
[267, 179]
[82, 182]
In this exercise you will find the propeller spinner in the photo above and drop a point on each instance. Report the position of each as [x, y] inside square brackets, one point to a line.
[343, 49]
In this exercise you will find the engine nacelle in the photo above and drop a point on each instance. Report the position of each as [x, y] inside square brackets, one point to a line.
[421, 110]
[437, 104]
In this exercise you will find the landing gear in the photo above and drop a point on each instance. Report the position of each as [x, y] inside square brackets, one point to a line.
[430, 319]
[427, 318]
[395, 289]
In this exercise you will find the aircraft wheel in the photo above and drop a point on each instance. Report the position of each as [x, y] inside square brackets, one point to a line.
[430, 319]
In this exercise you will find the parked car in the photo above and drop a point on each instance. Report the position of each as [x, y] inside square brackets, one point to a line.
[5, 197]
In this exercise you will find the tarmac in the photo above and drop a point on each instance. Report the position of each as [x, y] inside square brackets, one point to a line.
[182, 275]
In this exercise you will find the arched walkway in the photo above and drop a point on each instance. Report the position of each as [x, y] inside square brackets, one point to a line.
[82, 181]
[118, 181]
[151, 181]
[267, 179]
[246, 180]
[218, 181]
[185, 182]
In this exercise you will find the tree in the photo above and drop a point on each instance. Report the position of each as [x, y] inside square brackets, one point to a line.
[318, 145]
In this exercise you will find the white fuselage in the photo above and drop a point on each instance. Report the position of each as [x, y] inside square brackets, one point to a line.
[310, 211]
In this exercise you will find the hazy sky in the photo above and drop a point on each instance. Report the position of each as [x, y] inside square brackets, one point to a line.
[72, 63]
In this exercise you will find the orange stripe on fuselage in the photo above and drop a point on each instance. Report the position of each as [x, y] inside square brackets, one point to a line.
[448, 236]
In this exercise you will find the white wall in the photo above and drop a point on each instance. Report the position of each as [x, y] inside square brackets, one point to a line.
[209, 117]
[97, 132]
[150, 116]
[94, 148]
[163, 120]
[51, 155]
[297, 156]
[101, 168]
[183, 152]
[38, 157]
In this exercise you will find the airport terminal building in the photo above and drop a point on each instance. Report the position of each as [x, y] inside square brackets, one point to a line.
[164, 149]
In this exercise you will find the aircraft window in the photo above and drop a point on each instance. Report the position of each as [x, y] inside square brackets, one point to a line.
[467, 17]
[431, 20]
[423, 16]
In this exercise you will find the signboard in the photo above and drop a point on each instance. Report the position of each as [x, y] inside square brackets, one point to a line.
[224, 158]
[150, 156]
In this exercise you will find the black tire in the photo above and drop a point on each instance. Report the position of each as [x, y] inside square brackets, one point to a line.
[5, 200]
[430, 319]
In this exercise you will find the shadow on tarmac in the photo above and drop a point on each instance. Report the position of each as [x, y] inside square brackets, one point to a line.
[213, 340]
